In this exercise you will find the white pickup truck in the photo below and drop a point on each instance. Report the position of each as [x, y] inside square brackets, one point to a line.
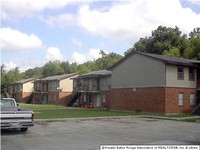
[12, 117]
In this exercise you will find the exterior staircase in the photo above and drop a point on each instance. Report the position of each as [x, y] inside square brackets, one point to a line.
[30, 99]
[73, 99]
[196, 110]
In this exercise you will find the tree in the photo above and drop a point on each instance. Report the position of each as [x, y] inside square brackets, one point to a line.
[195, 48]
[193, 52]
[35, 72]
[107, 60]
[163, 39]
[143, 45]
[3, 76]
[12, 76]
[52, 68]
[174, 52]
[128, 51]
[66, 66]
[73, 67]
[195, 33]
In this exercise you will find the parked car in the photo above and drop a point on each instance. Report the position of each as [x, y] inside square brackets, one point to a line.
[13, 117]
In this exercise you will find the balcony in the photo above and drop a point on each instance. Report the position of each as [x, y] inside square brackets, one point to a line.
[86, 88]
[40, 90]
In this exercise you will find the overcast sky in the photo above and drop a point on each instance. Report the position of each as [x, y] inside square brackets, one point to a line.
[34, 32]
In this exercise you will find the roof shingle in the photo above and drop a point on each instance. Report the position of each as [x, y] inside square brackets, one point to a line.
[59, 77]
[96, 74]
[25, 80]
[165, 59]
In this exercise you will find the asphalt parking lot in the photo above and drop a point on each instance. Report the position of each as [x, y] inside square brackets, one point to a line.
[90, 134]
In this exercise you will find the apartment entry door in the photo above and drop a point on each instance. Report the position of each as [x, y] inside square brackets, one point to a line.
[97, 100]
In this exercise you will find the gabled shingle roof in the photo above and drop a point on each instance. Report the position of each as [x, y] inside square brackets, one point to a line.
[59, 77]
[25, 80]
[96, 74]
[165, 59]
[174, 60]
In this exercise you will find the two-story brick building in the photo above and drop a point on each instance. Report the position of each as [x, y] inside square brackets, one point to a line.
[93, 88]
[54, 89]
[155, 83]
[21, 90]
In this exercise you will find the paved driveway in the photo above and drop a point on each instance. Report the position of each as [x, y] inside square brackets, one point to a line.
[89, 134]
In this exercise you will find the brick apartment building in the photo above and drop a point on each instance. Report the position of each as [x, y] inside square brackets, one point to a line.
[21, 90]
[93, 88]
[155, 83]
[54, 89]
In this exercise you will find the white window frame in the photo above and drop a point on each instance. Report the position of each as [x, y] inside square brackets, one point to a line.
[192, 99]
[181, 99]
[104, 81]
[84, 98]
[103, 98]
[180, 75]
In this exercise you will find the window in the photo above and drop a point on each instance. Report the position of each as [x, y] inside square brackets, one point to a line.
[104, 81]
[55, 83]
[192, 99]
[181, 99]
[84, 98]
[180, 71]
[103, 98]
[191, 74]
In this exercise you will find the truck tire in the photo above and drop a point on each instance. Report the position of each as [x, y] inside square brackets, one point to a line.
[24, 129]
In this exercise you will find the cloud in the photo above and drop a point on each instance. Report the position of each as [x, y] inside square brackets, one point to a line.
[89, 56]
[130, 20]
[76, 42]
[23, 64]
[10, 65]
[53, 53]
[14, 40]
[62, 20]
[12, 9]
[194, 2]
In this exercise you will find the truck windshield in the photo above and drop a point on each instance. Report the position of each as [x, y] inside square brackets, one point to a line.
[7, 102]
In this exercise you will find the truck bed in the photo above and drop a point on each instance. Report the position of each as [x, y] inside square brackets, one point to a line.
[16, 119]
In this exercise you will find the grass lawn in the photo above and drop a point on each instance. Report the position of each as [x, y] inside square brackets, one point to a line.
[40, 106]
[56, 111]
[47, 111]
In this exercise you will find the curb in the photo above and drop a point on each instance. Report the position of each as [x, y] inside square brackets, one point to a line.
[84, 119]
[170, 118]
[113, 117]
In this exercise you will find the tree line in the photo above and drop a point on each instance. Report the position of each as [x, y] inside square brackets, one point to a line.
[163, 40]
[58, 67]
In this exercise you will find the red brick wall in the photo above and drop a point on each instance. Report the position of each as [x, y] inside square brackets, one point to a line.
[141, 99]
[25, 96]
[62, 98]
[172, 100]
